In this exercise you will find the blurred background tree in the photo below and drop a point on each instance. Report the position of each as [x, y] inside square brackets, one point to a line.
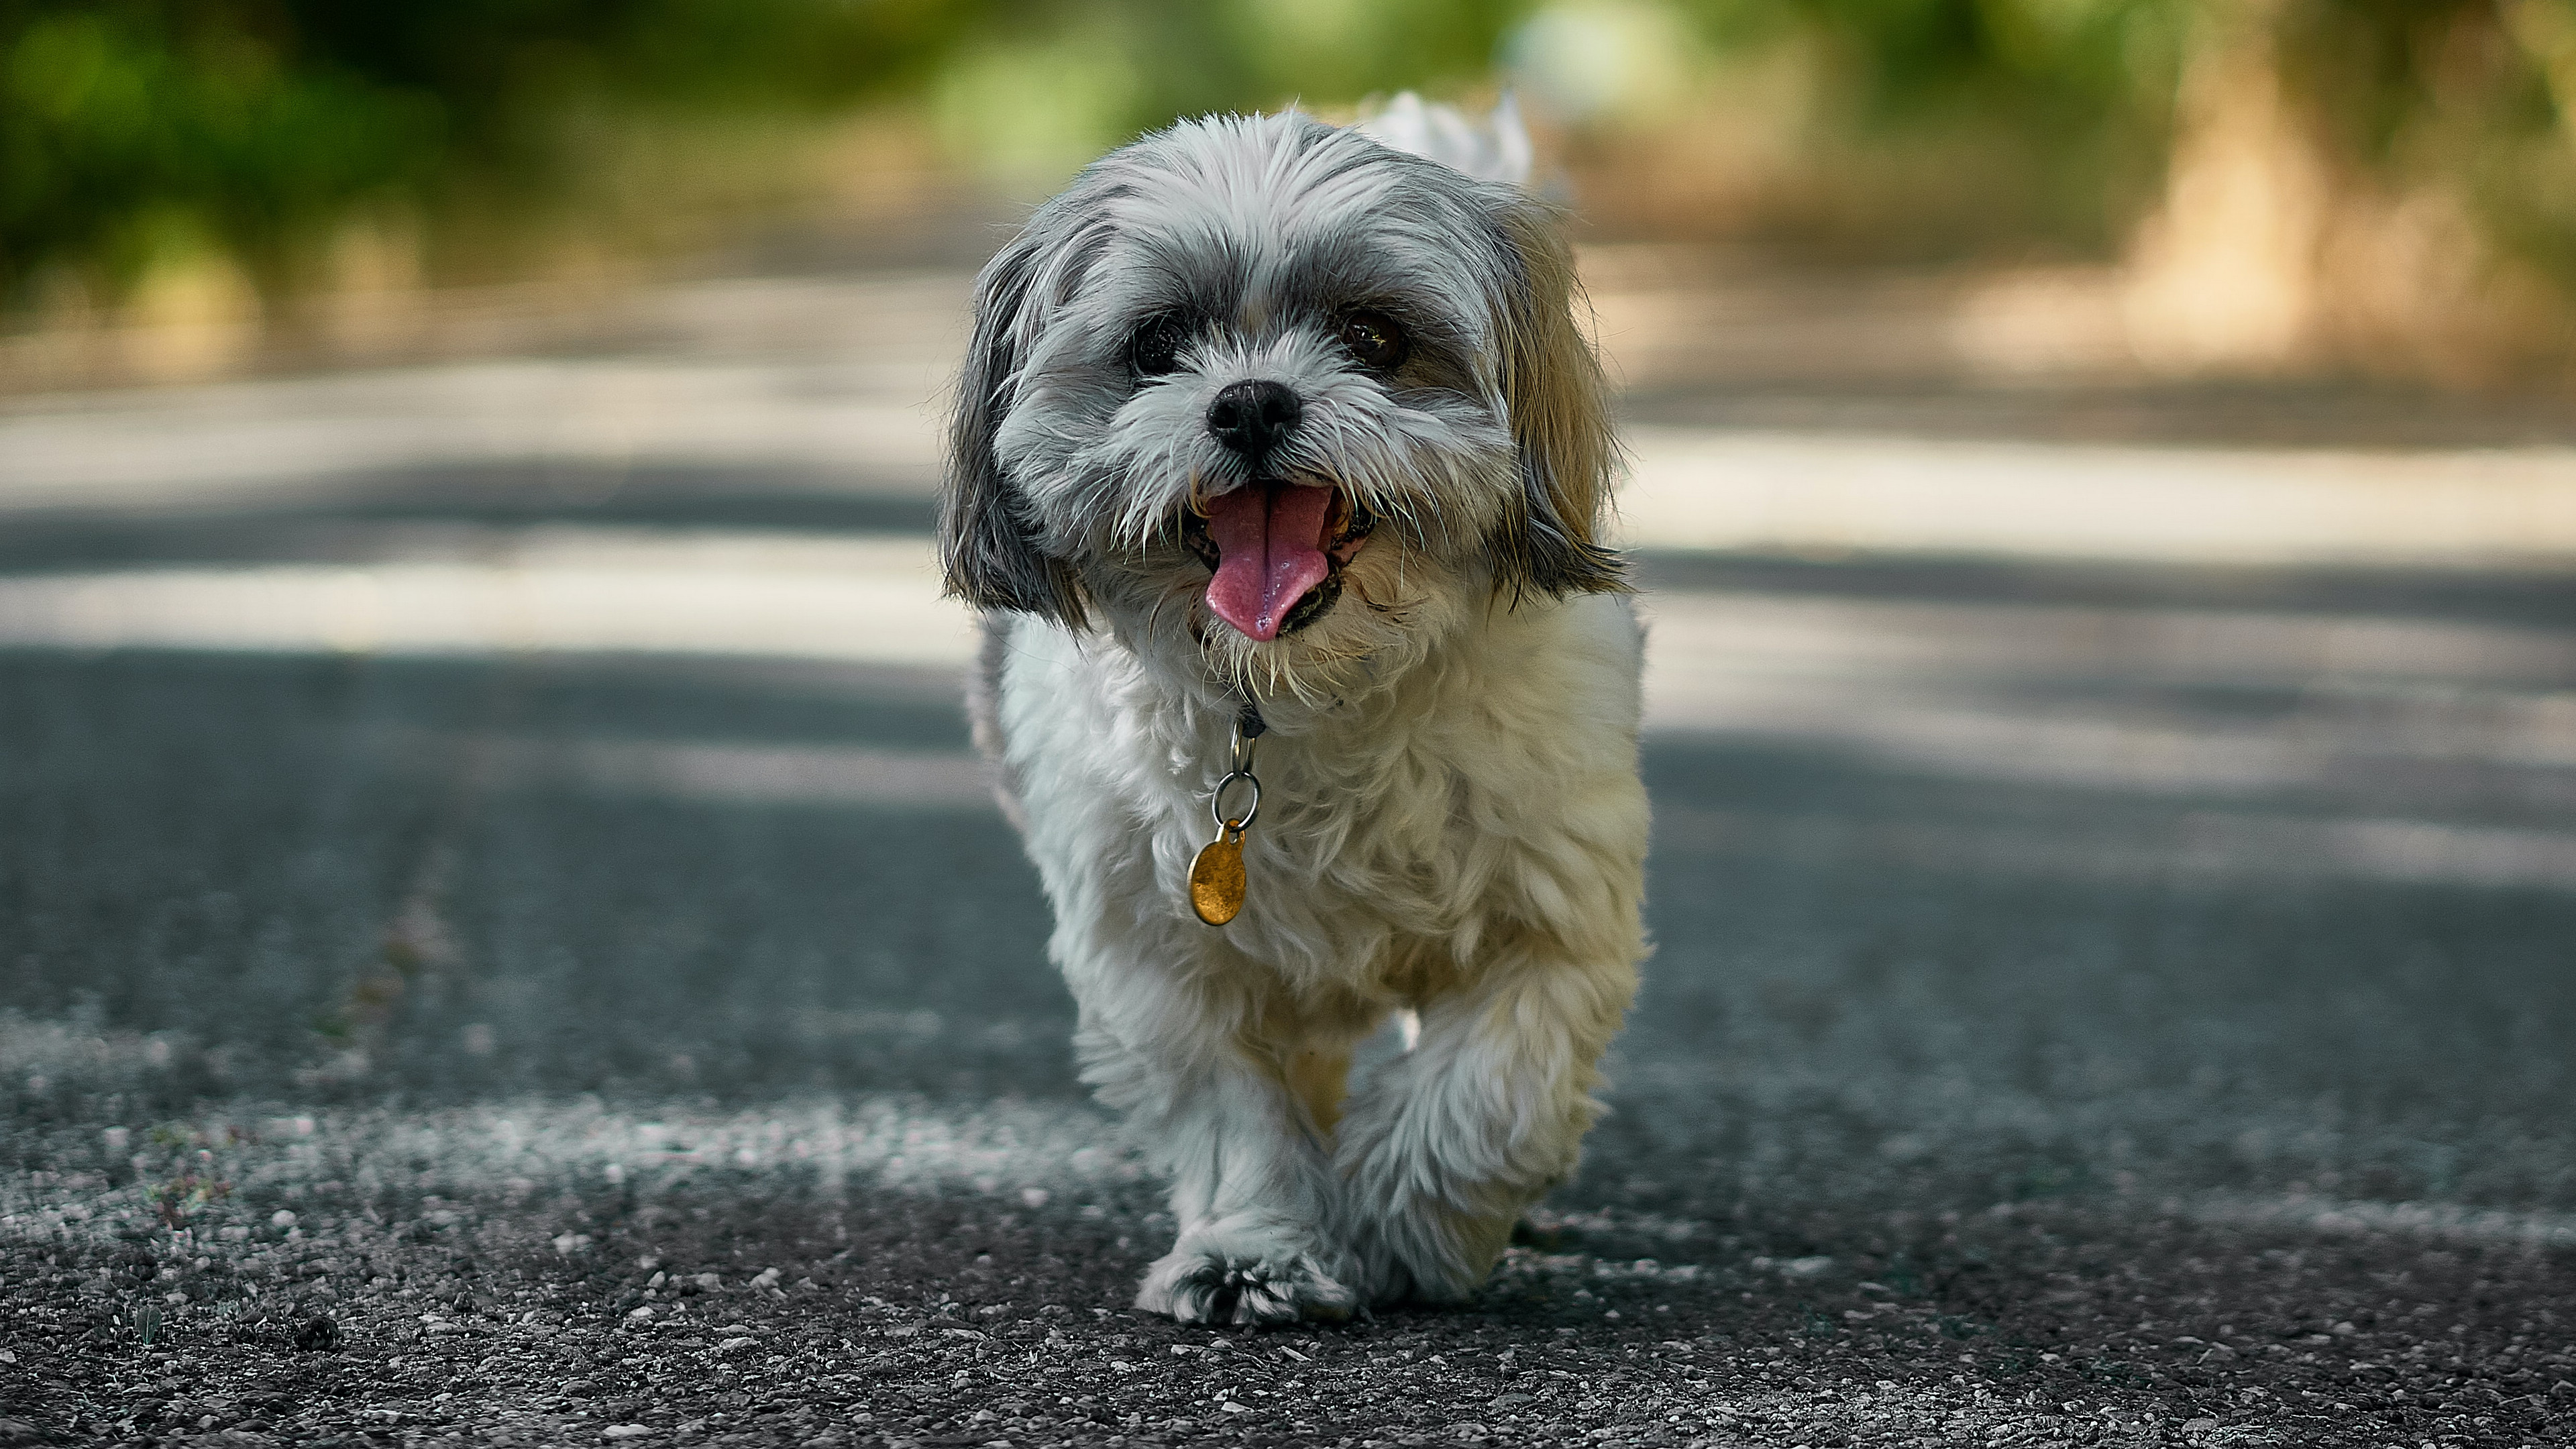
[137, 131]
[2286, 182]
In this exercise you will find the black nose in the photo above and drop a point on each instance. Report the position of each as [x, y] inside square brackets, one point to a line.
[1251, 417]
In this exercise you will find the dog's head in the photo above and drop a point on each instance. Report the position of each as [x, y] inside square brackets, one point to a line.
[1274, 389]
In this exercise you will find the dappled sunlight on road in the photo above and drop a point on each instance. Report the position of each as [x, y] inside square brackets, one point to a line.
[2369, 715]
[1825, 494]
[548, 589]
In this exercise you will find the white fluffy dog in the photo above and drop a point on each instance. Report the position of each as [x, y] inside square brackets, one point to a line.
[1270, 428]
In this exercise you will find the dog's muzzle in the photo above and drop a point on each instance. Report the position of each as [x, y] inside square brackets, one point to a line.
[1275, 550]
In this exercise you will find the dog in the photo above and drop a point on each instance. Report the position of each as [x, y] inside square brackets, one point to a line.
[1278, 471]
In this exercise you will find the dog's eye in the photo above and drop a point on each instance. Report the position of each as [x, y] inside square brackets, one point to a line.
[1156, 347]
[1374, 340]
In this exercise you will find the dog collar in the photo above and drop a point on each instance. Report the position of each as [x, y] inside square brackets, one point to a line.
[1216, 873]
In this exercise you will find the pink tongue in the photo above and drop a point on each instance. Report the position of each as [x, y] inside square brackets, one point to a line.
[1269, 547]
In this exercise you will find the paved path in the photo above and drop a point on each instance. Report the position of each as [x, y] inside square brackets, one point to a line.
[515, 819]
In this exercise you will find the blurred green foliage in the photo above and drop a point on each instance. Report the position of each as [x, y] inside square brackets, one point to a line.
[2043, 121]
[1037, 88]
[129, 128]
[124, 132]
[2475, 97]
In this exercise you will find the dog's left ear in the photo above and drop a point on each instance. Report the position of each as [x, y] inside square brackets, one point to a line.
[1560, 414]
[987, 551]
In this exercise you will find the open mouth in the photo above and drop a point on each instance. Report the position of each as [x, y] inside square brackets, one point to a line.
[1276, 551]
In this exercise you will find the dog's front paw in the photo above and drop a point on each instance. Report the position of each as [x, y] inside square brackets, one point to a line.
[1214, 1277]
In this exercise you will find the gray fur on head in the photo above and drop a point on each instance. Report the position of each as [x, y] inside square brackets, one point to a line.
[1246, 244]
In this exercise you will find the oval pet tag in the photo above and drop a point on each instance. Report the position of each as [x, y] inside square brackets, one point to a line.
[1216, 878]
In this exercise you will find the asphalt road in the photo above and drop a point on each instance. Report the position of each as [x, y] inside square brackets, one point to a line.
[505, 895]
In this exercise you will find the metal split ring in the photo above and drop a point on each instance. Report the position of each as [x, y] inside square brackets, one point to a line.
[1216, 801]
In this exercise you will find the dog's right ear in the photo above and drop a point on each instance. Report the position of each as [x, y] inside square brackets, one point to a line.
[988, 553]
[1560, 410]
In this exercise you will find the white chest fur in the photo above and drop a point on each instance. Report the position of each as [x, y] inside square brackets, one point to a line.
[1493, 788]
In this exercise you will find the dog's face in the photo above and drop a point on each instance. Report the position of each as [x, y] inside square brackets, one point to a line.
[1272, 391]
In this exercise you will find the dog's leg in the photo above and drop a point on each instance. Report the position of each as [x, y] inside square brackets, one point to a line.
[1446, 1144]
[1320, 1076]
[1234, 1120]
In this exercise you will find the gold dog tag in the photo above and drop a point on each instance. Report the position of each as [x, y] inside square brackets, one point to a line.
[1216, 873]
[1216, 878]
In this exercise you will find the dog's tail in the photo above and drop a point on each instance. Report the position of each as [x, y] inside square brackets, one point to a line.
[1496, 148]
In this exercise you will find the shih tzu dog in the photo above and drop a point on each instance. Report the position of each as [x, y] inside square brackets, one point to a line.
[1278, 469]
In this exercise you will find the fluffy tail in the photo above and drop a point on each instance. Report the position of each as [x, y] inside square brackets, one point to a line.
[1495, 149]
